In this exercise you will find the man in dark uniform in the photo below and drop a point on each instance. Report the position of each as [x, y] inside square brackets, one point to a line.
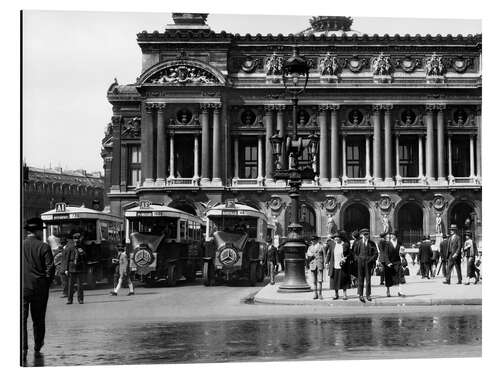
[75, 266]
[425, 257]
[443, 252]
[271, 260]
[38, 273]
[454, 255]
[365, 252]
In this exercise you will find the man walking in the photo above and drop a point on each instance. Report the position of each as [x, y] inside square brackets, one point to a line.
[365, 252]
[316, 260]
[75, 267]
[38, 273]
[425, 257]
[271, 260]
[124, 271]
[454, 255]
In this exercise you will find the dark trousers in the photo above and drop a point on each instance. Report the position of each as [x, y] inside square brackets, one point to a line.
[444, 268]
[78, 278]
[425, 268]
[364, 273]
[35, 301]
[454, 262]
[64, 283]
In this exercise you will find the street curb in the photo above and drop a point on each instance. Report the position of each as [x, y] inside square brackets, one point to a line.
[352, 302]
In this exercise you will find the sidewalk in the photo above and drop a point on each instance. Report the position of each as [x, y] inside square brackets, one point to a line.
[417, 291]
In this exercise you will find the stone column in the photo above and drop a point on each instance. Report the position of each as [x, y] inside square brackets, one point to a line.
[172, 157]
[147, 144]
[280, 123]
[441, 145]
[450, 164]
[388, 144]
[161, 148]
[123, 167]
[323, 146]
[259, 159]
[377, 146]
[344, 158]
[368, 152]
[205, 144]
[217, 147]
[268, 123]
[396, 146]
[236, 158]
[420, 157]
[429, 147]
[196, 156]
[471, 156]
[335, 145]
[116, 161]
[478, 141]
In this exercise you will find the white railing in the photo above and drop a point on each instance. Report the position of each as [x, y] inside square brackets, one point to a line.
[410, 181]
[356, 181]
[247, 182]
[182, 182]
[463, 181]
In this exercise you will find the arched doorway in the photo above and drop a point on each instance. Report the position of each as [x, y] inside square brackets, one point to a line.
[356, 217]
[183, 206]
[463, 216]
[410, 223]
[307, 218]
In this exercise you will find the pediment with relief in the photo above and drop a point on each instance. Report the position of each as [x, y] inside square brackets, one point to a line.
[183, 74]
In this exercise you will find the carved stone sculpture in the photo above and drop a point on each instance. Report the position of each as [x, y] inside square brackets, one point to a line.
[274, 65]
[184, 74]
[434, 66]
[382, 65]
[328, 66]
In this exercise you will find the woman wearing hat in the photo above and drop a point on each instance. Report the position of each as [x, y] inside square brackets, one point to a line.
[338, 264]
[470, 251]
[391, 259]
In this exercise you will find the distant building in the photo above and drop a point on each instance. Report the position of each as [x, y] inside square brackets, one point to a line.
[399, 120]
[42, 188]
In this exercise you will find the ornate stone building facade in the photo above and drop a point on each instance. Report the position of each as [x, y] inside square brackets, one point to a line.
[42, 188]
[399, 120]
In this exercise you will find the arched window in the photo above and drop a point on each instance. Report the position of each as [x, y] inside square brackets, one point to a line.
[356, 217]
[410, 223]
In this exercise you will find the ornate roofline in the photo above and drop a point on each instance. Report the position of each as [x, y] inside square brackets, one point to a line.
[202, 35]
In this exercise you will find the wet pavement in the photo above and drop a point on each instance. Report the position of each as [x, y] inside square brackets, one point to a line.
[452, 333]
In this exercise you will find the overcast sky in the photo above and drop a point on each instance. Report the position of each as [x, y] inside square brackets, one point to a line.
[71, 58]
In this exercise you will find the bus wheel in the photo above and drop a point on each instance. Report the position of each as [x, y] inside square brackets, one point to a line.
[208, 274]
[253, 273]
[91, 281]
[171, 277]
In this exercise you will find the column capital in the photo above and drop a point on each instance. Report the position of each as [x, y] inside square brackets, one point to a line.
[377, 108]
[269, 108]
[149, 107]
[280, 107]
[440, 107]
[161, 107]
[435, 107]
[334, 107]
[204, 107]
[216, 107]
[387, 107]
[323, 108]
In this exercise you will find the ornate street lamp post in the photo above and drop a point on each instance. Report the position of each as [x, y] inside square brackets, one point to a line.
[295, 77]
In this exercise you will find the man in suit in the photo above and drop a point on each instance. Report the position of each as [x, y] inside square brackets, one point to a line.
[454, 255]
[365, 253]
[75, 266]
[316, 260]
[271, 260]
[38, 273]
[443, 252]
[425, 257]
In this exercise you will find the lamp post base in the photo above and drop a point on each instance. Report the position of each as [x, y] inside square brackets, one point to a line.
[295, 276]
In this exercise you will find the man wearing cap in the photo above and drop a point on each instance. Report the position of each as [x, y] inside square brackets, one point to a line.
[425, 257]
[123, 270]
[470, 251]
[443, 253]
[454, 255]
[38, 272]
[365, 252]
[75, 266]
[316, 260]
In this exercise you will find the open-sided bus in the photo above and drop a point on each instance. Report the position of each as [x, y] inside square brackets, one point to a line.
[164, 242]
[101, 233]
[236, 243]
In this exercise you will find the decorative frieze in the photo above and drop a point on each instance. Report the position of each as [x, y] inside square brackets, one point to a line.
[183, 74]
[382, 69]
[435, 69]
[329, 68]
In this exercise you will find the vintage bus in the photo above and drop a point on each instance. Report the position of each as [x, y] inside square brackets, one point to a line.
[236, 243]
[101, 233]
[164, 243]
